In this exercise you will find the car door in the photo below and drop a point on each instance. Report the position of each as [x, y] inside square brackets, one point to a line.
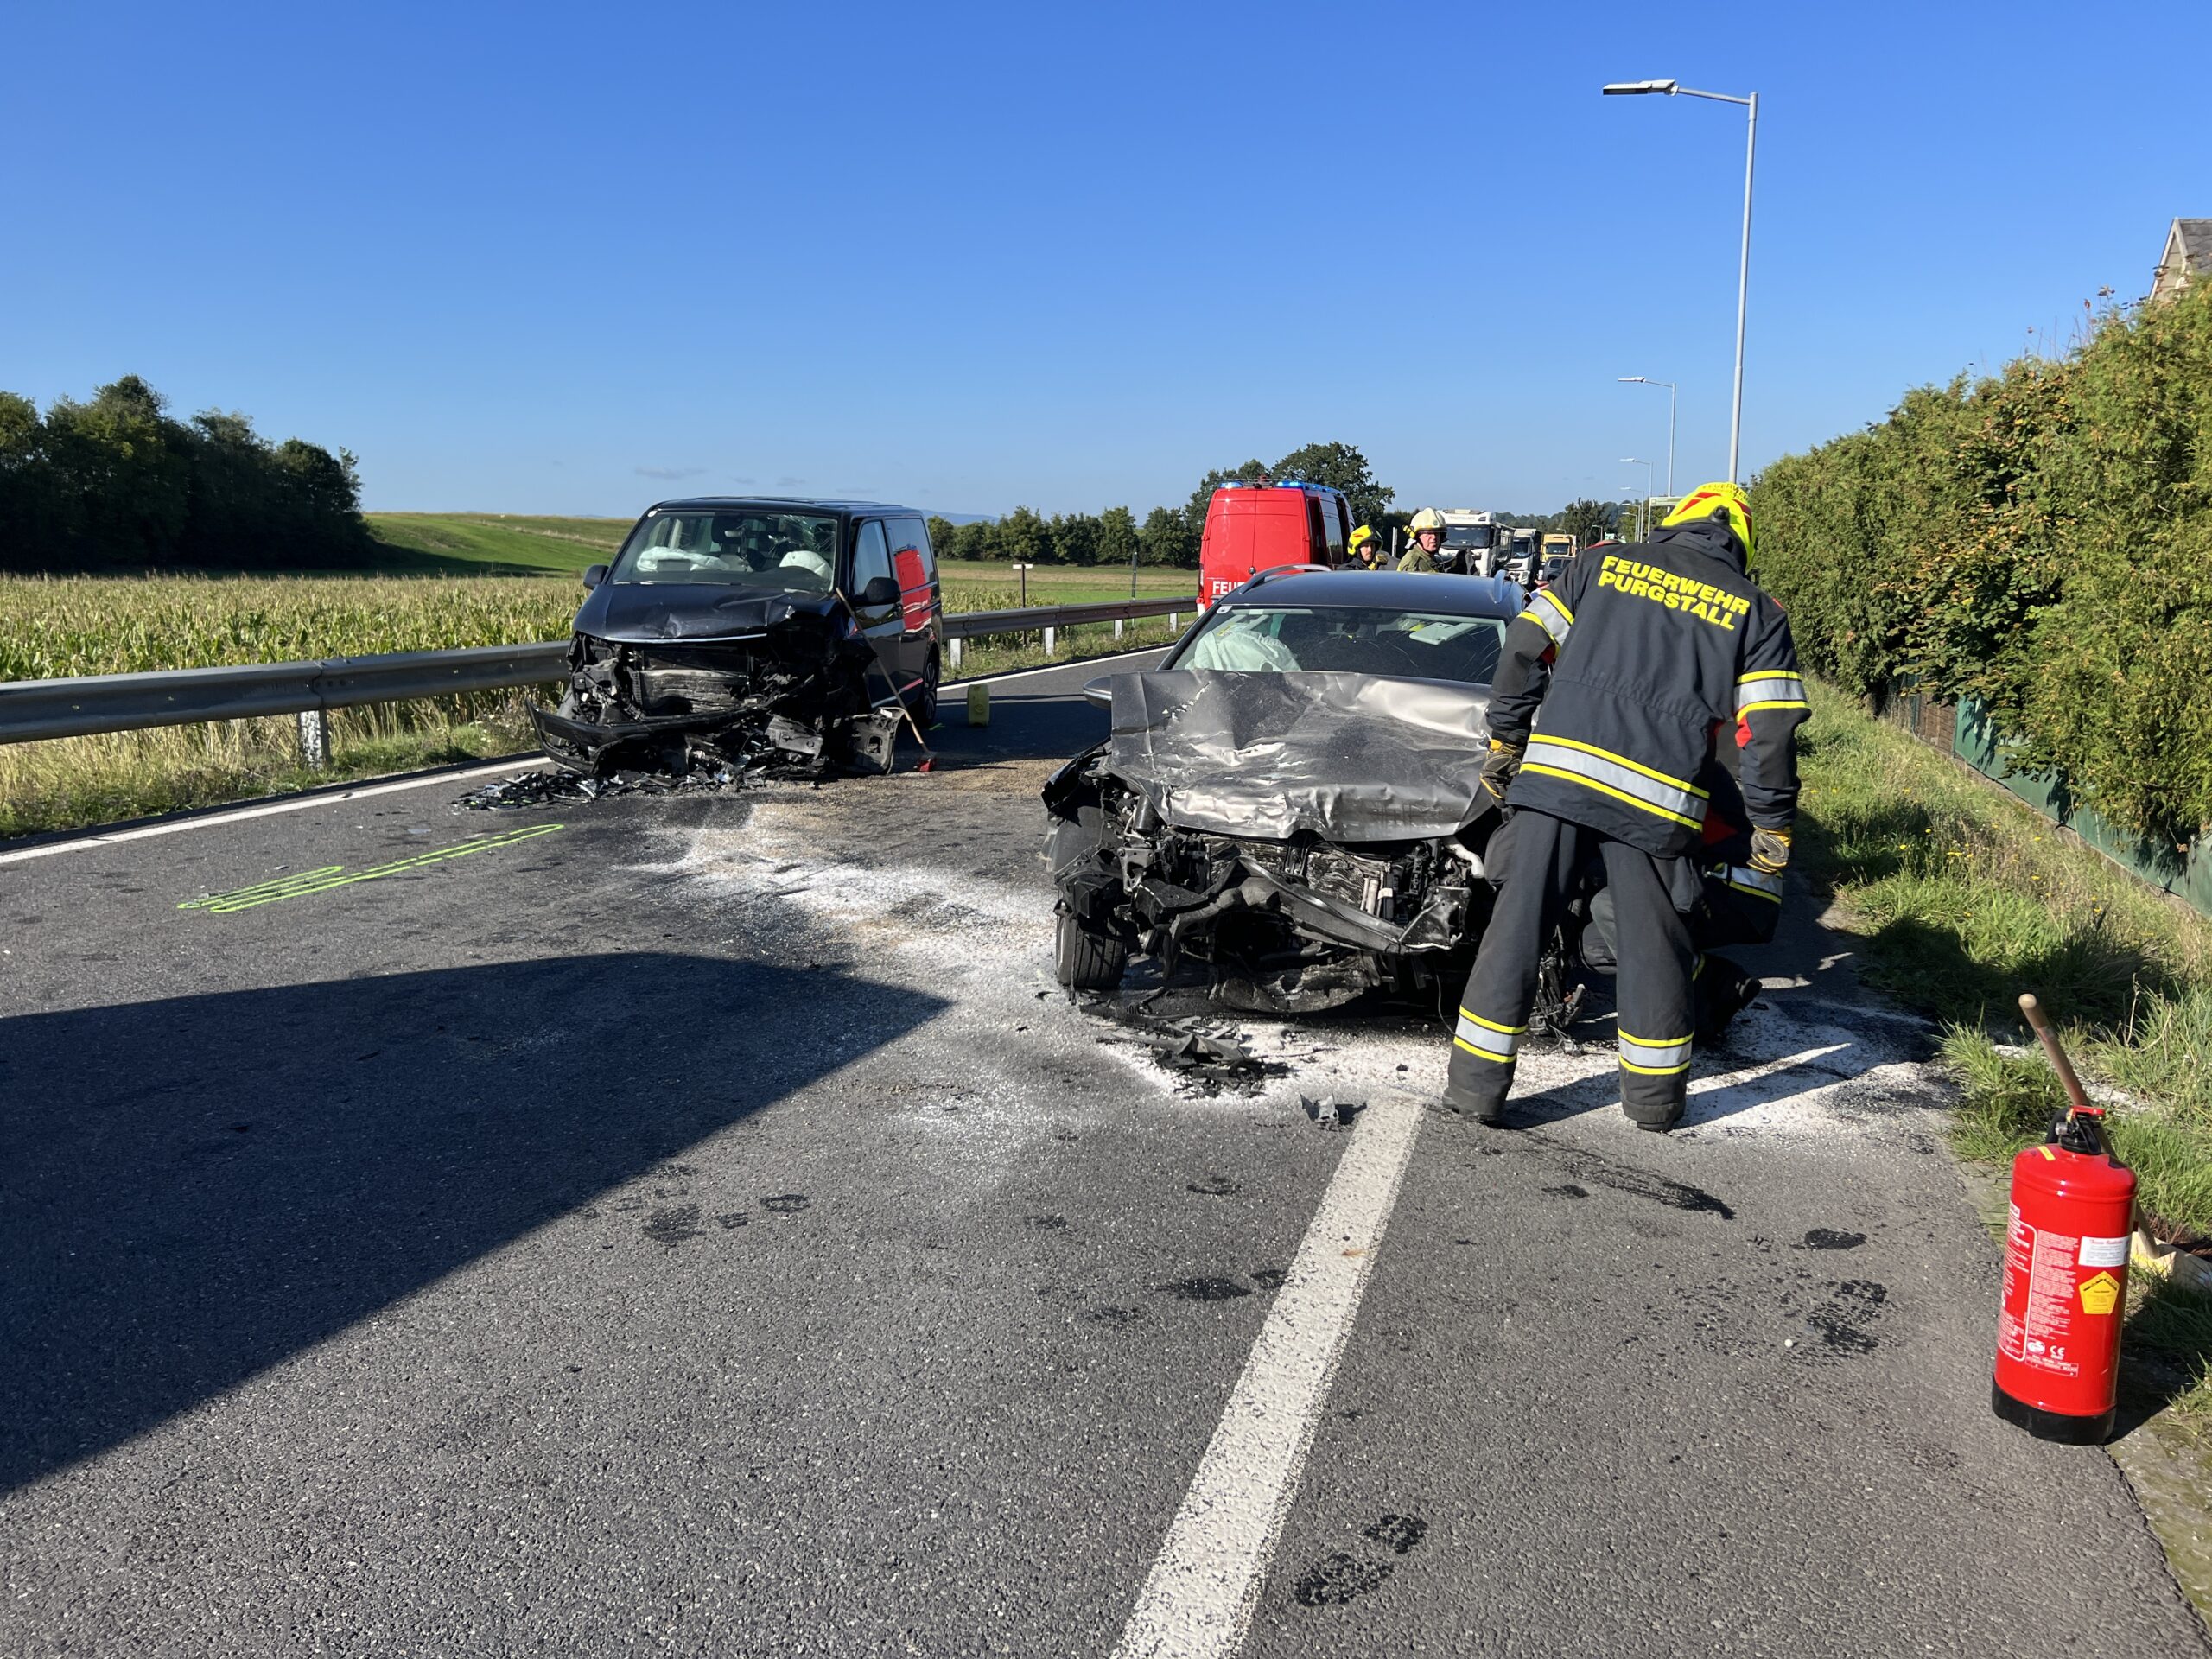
[1330, 510]
[914, 563]
[881, 623]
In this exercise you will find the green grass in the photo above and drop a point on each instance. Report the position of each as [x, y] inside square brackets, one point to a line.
[1968, 897]
[492, 543]
[77, 782]
[1965, 898]
[1000, 654]
[1062, 584]
[2009, 1100]
[2171, 1328]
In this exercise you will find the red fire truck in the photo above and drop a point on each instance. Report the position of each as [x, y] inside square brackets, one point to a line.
[1253, 527]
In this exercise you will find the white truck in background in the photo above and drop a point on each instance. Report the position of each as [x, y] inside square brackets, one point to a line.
[1477, 541]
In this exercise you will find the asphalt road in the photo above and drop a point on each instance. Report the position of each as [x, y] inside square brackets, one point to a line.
[702, 1227]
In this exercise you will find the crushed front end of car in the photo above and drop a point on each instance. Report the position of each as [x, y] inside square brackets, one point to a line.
[745, 683]
[1309, 837]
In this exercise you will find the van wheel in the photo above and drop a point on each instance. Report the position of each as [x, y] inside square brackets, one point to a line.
[921, 701]
[1087, 961]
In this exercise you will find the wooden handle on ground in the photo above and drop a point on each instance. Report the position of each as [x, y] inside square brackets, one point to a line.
[2059, 1063]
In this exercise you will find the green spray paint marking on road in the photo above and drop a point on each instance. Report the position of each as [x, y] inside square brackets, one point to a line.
[337, 875]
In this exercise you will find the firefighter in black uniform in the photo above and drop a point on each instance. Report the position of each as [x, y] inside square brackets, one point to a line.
[1737, 905]
[1639, 659]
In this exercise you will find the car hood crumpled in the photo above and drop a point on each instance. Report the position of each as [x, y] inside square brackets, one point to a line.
[1347, 756]
[644, 612]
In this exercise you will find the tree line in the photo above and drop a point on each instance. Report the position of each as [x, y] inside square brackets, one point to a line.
[116, 483]
[1166, 536]
[1169, 535]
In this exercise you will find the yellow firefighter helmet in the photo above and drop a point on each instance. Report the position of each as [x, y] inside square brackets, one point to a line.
[1725, 502]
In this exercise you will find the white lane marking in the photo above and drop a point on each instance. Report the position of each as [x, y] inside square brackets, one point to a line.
[291, 803]
[1198, 1598]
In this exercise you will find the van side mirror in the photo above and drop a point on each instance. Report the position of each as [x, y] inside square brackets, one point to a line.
[1099, 691]
[881, 591]
[593, 575]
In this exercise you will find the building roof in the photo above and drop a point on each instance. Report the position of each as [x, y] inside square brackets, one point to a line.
[2187, 255]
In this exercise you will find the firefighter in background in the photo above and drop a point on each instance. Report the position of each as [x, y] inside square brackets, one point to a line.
[1639, 658]
[1428, 536]
[1367, 550]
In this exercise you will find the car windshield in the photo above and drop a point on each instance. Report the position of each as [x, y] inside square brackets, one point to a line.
[1470, 536]
[1347, 639]
[744, 547]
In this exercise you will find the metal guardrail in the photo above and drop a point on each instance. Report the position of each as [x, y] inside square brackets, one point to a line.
[969, 625]
[1049, 619]
[32, 710]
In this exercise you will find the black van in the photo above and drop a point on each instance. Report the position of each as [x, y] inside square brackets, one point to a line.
[748, 624]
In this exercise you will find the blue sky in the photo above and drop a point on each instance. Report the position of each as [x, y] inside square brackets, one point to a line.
[567, 259]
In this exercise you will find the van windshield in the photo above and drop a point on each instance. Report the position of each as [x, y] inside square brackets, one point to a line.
[1470, 536]
[742, 548]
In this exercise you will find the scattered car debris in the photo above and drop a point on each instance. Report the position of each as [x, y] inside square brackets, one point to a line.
[1330, 1112]
[694, 767]
[530, 789]
[1206, 1055]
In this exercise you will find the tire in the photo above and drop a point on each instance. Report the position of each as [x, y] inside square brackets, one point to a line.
[921, 703]
[1085, 960]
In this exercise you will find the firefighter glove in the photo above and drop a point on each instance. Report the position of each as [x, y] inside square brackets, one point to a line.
[1499, 768]
[1771, 851]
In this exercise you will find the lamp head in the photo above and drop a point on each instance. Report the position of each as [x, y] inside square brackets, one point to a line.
[1634, 88]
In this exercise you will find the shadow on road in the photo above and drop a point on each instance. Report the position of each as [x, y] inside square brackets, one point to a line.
[193, 1190]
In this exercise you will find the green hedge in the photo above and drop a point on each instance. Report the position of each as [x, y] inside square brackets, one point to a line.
[2042, 540]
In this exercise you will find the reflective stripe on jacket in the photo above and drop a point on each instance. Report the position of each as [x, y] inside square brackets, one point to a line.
[1638, 659]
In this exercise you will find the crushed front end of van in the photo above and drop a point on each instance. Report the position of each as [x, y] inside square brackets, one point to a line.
[720, 678]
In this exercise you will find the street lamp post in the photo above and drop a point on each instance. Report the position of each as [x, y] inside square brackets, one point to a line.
[1643, 507]
[1639, 380]
[1671, 89]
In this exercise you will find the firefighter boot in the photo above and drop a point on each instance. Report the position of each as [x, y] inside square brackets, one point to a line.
[1481, 1074]
[1494, 1009]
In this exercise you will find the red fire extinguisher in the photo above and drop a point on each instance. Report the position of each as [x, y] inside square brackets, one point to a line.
[2065, 1272]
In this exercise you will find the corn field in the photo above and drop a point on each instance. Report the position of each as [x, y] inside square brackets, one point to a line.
[56, 627]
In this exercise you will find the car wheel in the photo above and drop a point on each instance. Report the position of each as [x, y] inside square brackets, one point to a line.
[1087, 961]
[921, 703]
